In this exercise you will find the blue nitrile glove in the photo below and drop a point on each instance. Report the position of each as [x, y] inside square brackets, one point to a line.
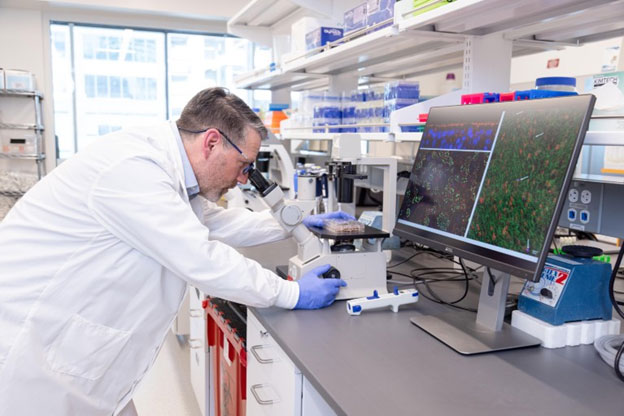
[316, 292]
[317, 220]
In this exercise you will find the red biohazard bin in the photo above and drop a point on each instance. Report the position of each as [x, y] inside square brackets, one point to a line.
[229, 362]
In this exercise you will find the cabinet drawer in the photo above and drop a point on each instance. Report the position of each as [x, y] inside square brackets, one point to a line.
[273, 382]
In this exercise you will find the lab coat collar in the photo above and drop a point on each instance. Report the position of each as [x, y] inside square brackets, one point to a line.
[190, 180]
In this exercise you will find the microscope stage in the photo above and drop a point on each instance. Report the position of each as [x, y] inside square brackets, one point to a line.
[369, 232]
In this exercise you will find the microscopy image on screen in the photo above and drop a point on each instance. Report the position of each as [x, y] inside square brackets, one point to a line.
[470, 129]
[527, 168]
[463, 136]
[442, 189]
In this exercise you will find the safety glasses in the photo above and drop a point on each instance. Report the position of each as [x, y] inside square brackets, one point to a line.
[247, 168]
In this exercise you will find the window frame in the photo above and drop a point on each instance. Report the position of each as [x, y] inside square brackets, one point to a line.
[137, 56]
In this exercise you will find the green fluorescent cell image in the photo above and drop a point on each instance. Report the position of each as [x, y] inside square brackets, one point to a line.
[442, 195]
[526, 171]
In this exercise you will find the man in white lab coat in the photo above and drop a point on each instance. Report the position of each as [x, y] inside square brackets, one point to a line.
[95, 259]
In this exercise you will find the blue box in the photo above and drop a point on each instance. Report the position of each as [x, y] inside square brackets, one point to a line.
[570, 289]
[322, 36]
[355, 18]
[378, 11]
[402, 89]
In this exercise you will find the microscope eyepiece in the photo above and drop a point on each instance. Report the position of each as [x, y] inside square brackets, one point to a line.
[260, 182]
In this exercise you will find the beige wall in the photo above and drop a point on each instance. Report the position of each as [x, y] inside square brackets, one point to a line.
[22, 47]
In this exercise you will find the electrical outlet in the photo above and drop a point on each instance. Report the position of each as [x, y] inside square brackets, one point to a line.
[573, 195]
[586, 196]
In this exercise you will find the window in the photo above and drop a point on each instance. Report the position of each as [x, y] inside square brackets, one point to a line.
[120, 76]
[115, 87]
[90, 86]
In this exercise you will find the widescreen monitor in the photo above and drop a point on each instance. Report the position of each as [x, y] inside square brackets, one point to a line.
[489, 180]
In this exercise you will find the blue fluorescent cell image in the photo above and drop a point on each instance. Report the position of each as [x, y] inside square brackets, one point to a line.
[460, 136]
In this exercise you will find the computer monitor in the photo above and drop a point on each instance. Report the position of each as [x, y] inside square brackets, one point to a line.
[488, 184]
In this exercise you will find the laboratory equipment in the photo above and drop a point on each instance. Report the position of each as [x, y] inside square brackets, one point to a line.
[275, 164]
[278, 166]
[363, 269]
[388, 300]
[343, 176]
[570, 304]
[570, 289]
[488, 185]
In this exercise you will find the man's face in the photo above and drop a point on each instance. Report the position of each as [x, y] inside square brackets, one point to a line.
[222, 165]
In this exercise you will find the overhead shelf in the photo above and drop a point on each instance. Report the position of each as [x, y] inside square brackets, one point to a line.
[266, 79]
[268, 13]
[260, 19]
[374, 48]
[434, 41]
[551, 21]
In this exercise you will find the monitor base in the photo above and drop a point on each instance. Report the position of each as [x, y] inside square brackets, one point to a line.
[463, 334]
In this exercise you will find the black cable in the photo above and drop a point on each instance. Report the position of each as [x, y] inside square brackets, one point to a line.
[428, 275]
[616, 306]
[403, 261]
[437, 298]
[420, 280]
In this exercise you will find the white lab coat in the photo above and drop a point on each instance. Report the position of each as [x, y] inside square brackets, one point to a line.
[94, 262]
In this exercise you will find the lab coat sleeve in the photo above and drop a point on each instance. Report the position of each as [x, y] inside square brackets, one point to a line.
[239, 227]
[136, 201]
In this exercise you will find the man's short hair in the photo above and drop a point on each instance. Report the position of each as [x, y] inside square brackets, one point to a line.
[218, 108]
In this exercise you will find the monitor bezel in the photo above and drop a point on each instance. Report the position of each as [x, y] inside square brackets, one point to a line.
[514, 265]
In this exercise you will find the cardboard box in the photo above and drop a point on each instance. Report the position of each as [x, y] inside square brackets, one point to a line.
[321, 36]
[300, 28]
[379, 11]
[355, 19]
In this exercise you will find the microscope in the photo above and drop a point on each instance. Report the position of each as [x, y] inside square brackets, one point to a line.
[363, 268]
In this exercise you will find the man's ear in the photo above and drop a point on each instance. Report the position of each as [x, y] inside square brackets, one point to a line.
[210, 140]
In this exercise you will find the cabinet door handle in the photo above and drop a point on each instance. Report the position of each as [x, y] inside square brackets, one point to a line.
[196, 313]
[195, 343]
[254, 351]
[257, 397]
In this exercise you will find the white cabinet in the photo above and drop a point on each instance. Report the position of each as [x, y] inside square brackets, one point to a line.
[273, 381]
[275, 386]
[200, 354]
[312, 402]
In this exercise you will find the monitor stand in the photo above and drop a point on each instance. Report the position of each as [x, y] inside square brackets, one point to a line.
[488, 333]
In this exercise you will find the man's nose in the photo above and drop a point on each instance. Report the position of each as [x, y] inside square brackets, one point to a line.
[242, 178]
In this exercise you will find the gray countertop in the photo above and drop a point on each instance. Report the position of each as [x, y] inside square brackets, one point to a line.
[379, 363]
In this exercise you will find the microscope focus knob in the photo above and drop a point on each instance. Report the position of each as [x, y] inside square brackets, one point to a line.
[291, 215]
[332, 273]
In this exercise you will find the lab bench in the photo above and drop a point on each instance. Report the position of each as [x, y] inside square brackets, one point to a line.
[379, 363]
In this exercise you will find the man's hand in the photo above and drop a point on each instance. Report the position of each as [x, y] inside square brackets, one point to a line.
[318, 220]
[316, 292]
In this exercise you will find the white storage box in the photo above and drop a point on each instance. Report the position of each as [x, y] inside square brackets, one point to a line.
[19, 80]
